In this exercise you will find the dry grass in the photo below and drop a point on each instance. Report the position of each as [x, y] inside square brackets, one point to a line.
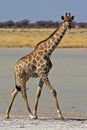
[30, 37]
[75, 38]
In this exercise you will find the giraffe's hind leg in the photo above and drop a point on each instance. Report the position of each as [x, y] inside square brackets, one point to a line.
[13, 95]
[24, 95]
[39, 89]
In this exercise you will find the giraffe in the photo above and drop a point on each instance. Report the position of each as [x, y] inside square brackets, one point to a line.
[38, 64]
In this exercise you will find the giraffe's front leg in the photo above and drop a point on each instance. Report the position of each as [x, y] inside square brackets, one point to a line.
[39, 89]
[52, 90]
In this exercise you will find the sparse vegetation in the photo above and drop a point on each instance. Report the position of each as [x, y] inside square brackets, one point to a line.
[29, 37]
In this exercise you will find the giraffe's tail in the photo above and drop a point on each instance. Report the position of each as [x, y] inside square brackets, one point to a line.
[16, 86]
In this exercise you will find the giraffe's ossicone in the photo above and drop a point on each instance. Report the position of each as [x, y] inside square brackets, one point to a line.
[38, 64]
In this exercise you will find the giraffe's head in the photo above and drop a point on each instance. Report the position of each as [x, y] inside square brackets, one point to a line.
[68, 19]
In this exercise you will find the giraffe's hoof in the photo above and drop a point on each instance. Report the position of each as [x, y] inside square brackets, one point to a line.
[60, 115]
[33, 116]
[61, 118]
[7, 117]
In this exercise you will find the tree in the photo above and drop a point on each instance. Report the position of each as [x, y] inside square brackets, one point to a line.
[8, 24]
[24, 23]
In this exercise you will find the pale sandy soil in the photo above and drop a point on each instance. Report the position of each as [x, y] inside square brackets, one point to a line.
[74, 120]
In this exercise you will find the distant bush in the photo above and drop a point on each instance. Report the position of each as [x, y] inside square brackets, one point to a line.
[82, 25]
[7, 24]
[38, 24]
[45, 24]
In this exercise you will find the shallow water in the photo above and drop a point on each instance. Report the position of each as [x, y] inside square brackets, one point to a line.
[68, 76]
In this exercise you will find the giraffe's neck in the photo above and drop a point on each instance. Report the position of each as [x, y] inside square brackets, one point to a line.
[49, 44]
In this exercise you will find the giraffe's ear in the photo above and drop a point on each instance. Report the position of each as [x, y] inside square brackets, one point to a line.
[73, 17]
[62, 17]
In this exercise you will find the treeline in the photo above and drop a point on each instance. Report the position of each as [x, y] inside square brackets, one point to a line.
[38, 24]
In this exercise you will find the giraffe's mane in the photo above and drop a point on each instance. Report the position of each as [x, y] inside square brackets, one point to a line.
[49, 36]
